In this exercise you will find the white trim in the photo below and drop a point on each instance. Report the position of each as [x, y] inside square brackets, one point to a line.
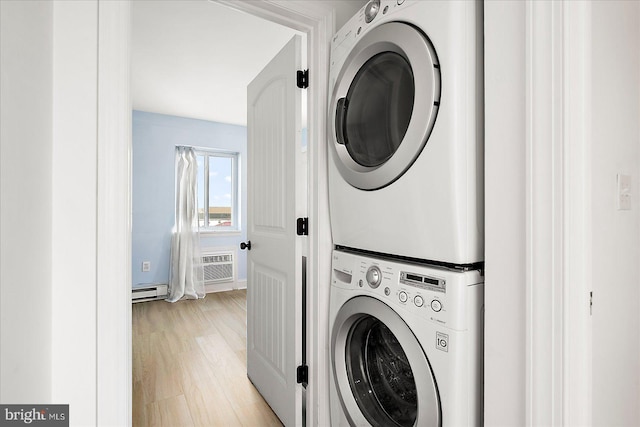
[544, 213]
[505, 303]
[558, 218]
[207, 232]
[577, 217]
[224, 287]
[113, 289]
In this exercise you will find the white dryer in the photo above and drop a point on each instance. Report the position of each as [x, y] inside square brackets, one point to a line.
[405, 344]
[406, 131]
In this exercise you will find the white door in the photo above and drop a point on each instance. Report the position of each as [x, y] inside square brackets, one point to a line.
[274, 319]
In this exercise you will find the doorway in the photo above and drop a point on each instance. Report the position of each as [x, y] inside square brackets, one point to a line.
[316, 19]
[191, 64]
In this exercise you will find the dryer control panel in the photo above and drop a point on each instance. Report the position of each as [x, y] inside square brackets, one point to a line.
[368, 16]
[436, 294]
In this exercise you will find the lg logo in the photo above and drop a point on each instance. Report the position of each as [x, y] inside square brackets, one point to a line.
[442, 341]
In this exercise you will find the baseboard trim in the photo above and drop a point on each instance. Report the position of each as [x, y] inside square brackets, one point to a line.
[227, 286]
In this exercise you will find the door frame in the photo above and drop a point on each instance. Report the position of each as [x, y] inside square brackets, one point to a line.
[114, 200]
[539, 363]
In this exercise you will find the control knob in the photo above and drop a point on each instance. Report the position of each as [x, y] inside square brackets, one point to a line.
[374, 276]
[371, 10]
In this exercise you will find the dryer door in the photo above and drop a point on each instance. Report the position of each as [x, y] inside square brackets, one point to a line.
[384, 105]
[382, 374]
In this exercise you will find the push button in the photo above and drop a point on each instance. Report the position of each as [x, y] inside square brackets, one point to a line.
[436, 305]
[418, 301]
[402, 296]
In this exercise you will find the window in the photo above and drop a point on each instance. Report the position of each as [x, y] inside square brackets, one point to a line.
[218, 191]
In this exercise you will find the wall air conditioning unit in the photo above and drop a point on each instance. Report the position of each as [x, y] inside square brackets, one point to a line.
[148, 292]
[219, 267]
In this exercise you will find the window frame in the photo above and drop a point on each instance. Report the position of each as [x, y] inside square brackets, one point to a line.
[236, 227]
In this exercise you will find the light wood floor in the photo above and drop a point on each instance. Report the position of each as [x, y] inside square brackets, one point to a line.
[189, 364]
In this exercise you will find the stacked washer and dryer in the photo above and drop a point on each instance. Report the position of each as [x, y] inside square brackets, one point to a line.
[406, 203]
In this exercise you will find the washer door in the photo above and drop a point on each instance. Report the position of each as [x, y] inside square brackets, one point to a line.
[384, 105]
[381, 372]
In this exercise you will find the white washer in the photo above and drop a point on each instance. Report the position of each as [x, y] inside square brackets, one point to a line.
[406, 131]
[405, 344]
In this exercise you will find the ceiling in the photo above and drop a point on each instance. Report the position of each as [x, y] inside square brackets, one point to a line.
[195, 58]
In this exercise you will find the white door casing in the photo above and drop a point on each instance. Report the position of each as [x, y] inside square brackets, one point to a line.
[548, 52]
[274, 312]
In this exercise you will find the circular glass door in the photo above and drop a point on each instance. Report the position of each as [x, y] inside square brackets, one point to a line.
[384, 105]
[380, 106]
[382, 374]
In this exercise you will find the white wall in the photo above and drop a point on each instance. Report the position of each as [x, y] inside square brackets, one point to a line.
[505, 238]
[74, 208]
[48, 208]
[616, 234]
[25, 201]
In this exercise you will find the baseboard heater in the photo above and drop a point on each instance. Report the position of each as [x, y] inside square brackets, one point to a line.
[148, 292]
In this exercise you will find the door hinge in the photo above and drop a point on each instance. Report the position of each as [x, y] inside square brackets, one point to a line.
[591, 303]
[302, 375]
[302, 226]
[302, 79]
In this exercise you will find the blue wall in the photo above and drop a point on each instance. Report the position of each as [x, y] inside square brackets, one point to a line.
[155, 137]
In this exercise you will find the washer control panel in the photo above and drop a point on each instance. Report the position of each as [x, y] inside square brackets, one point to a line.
[427, 289]
[433, 293]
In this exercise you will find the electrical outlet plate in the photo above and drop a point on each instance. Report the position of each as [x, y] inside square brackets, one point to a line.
[623, 193]
[146, 266]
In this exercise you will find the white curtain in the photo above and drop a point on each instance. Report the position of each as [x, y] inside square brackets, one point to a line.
[186, 273]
